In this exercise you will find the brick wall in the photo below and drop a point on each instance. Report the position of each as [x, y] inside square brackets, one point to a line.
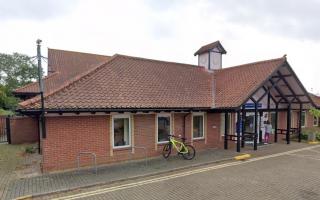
[309, 120]
[68, 135]
[24, 130]
[294, 120]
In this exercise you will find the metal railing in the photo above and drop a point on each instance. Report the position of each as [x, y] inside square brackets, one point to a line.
[94, 160]
[292, 131]
[145, 153]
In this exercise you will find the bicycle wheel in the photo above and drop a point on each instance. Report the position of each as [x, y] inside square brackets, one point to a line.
[191, 153]
[166, 151]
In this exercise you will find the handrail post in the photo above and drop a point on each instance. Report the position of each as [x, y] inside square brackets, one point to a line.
[94, 159]
[145, 153]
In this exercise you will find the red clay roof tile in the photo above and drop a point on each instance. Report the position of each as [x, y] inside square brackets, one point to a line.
[235, 84]
[63, 66]
[131, 82]
[315, 99]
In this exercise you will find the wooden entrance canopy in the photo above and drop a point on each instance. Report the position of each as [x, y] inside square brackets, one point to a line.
[281, 91]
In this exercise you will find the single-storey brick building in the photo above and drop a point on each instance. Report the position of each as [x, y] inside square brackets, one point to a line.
[115, 106]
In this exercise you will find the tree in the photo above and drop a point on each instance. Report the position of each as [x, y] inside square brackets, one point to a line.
[315, 112]
[16, 70]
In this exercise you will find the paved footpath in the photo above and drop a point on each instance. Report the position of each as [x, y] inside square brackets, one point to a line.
[60, 182]
[293, 175]
[12, 161]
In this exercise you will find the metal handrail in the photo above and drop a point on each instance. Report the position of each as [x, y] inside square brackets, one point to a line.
[94, 159]
[145, 152]
[284, 131]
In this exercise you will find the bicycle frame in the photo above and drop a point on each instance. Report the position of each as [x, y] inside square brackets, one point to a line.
[179, 146]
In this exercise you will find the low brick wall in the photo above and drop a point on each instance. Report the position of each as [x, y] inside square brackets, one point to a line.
[24, 130]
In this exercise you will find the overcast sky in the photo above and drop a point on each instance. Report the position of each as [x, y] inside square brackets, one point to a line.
[170, 29]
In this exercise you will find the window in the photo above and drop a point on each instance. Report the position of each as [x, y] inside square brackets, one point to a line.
[121, 131]
[164, 128]
[293, 118]
[249, 123]
[222, 126]
[198, 124]
[273, 119]
[303, 119]
[315, 121]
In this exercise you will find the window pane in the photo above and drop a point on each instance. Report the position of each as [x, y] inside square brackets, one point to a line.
[163, 128]
[197, 126]
[121, 132]
[315, 121]
[222, 128]
[303, 119]
[249, 124]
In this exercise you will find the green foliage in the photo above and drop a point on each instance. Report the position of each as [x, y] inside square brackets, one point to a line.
[6, 112]
[307, 131]
[7, 101]
[315, 112]
[304, 136]
[16, 70]
[30, 149]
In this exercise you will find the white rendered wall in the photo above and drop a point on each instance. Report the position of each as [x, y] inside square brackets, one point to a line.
[215, 60]
[203, 60]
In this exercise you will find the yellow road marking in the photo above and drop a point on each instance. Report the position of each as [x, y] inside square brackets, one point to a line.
[181, 174]
[243, 157]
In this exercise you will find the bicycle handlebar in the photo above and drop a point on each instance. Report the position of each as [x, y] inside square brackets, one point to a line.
[183, 138]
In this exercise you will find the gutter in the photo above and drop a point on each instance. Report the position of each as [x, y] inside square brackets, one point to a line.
[108, 110]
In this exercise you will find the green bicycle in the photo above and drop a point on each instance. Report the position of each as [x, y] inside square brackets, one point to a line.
[187, 151]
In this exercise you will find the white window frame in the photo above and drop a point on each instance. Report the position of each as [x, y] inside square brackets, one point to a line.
[121, 116]
[170, 132]
[316, 121]
[305, 119]
[203, 134]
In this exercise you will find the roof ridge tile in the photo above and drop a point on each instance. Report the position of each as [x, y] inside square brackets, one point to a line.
[78, 52]
[252, 63]
[161, 61]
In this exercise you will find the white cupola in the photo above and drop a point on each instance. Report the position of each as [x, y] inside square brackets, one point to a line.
[210, 55]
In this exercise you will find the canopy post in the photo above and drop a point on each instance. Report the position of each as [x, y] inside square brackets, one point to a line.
[299, 123]
[260, 131]
[226, 122]
[238, 130]
[255, 145]
[243, 126]
[288, 123]
[276, 124]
